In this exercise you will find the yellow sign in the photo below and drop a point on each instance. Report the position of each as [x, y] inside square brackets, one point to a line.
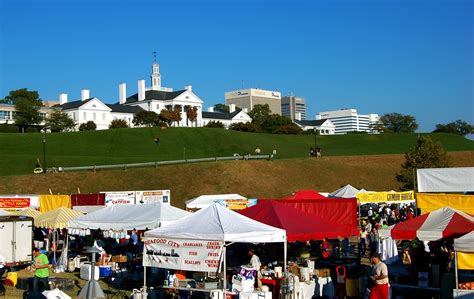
[381, 197]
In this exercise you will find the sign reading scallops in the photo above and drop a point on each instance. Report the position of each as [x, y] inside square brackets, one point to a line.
[153, 196]
[180, 254]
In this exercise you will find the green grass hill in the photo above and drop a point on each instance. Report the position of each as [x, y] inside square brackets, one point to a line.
[19, 152]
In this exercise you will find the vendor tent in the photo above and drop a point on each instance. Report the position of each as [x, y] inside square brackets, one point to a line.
[119, 217]
[345, 192]
[454, 179]
[464, 255]
[57, 218]
[306, 194]
[204, 201]
[442, 223]
[28, 212]
[218, 223]
[299, 225]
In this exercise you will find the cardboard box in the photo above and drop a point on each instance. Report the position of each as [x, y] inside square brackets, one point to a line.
[119, 259]
[324, 272]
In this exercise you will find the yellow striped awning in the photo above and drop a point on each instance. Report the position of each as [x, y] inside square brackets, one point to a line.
[57, 218]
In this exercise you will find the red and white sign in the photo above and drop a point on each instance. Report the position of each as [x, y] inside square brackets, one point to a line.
[179, 254]
[119, 198]
[14, 202]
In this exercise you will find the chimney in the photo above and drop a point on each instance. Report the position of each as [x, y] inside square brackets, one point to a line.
[318, 116]
[210, 109]
[231, 108]
[246, 110]
[62, 98]
[122, 93]
[298, 115]
[85, 94]
[141, 90]
[188, 87]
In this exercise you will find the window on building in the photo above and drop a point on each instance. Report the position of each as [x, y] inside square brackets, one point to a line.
[74, 115]
[158, 107]
[4, 115]
[93, 115]
[103, 116]
[85, 115]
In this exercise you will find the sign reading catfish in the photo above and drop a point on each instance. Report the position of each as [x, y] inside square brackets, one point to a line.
[179, 254]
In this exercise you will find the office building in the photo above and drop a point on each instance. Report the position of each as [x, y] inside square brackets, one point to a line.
[291, 105]
[248, 98]
[348, 120]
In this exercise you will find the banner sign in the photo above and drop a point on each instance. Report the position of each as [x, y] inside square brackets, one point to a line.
[381, 197]
[179, 254]
[119, 198]
[14, 203]
[153, 196]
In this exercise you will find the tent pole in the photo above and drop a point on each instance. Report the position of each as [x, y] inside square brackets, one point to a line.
[285, 245]
[456, 278]
[225, 269]
[144, 279]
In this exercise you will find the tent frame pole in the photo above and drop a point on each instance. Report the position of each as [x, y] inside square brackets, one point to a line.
[224, 284]
[285, 250]
[456, 278]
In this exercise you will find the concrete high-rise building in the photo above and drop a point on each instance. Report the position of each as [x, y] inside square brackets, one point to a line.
[291, 105]
[347, 120]
[247, 98]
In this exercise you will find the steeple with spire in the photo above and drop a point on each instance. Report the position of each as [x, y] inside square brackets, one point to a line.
[155, 74]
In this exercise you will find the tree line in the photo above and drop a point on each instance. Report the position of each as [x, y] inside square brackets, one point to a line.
[28, 104]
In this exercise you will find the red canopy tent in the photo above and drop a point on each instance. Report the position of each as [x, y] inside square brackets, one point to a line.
[299, 226]
[306, 194]
[442, 223]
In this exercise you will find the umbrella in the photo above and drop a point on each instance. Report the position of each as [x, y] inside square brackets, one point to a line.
[442, 223]
[57, 218]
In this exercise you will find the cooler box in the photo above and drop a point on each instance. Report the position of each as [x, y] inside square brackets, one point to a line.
[85, 272]
[105, 271]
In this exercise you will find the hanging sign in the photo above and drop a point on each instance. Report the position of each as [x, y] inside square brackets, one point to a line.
[119, 198]
[179, 254]
[14, 203]
[153, 196]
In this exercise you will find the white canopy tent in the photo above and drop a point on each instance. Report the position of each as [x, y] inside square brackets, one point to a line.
[204, 201]
[454, 179]
[217, 223]
[345, 192]
[128, 217]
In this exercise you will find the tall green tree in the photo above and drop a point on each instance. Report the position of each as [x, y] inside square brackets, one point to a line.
[26, 114]
[59, 121]
[458, 127]
[398, 123]
[260, 114]
[425, 154]
[145, 119]
[24, 94]
[221, 108]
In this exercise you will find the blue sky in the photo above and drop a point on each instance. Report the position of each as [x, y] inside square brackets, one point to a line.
[413, 57]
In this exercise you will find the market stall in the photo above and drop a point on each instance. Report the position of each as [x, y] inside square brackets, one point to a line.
[464, 260]
[29, 212]
[128, 217]
[442, 223]
[306, 195]
[204, 201]
[299, 226]
[199, 241]
[345, 192]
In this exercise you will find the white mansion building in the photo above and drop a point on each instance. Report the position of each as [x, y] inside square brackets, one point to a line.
[153, 99]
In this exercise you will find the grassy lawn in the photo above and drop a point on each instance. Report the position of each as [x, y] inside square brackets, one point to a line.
[254, 179]
[19, 152]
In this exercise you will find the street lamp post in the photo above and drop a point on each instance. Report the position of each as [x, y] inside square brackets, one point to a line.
[44, 154]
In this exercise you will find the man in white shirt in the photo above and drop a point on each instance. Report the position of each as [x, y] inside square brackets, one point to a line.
[379, 278]
[3, 268]
[255, 263]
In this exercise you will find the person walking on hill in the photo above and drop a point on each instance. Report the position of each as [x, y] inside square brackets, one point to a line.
[41, 267]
